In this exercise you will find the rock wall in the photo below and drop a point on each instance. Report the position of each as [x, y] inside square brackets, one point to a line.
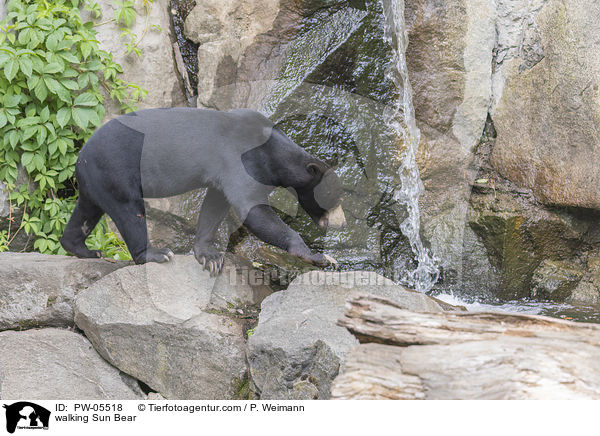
[548, 113]
[529, 68]
[155, 70]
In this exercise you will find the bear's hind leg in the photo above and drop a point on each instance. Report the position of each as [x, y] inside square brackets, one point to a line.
[130, 218]
[83, 220]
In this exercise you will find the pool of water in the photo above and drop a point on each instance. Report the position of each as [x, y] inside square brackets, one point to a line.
[571, 312]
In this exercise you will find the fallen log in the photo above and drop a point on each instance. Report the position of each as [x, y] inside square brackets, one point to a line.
[457, 355]
[375, 319]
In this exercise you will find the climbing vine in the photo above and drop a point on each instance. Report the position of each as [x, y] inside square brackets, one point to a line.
[53, 78]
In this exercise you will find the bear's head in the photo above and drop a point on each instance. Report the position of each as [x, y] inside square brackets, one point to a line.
[322, 197]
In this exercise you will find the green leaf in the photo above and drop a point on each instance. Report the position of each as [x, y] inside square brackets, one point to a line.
[33, 81]
[63, 116]
[44, 114]
[3, 119]
[11, 68]
[26, 158]
[53, 67]
[39, 161]
[50, 127]
[69, 57]
[52, 41]
[11, 100]
[125, 14]
[86, 49]
[40, 91]
[62, 146]
[83, 80]
[24, 36]
[70, 84]
[63, 93]
[53, 147]
[28, 133]
[85, 99]
[80, 117]
[94, 118]
[14, 138]
[26, 66]
[42, 134]
[52, 84]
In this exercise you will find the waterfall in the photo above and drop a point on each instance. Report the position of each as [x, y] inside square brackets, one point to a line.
[400, 117]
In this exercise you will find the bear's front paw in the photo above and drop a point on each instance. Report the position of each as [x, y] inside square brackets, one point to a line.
[323, 260]
[211, 259]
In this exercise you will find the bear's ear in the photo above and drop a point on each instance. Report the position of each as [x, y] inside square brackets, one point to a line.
[315, 169]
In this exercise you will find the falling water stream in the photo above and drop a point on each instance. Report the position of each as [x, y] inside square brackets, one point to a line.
[426, 274]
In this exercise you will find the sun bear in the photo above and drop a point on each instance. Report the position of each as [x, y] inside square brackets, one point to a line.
[239, 156]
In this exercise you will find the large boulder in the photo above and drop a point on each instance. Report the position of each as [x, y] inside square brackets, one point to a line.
[296, 350]
[56, 364]
[155, 69]
[168, 325]
[39, 290]
[548, 112]
[224, 30]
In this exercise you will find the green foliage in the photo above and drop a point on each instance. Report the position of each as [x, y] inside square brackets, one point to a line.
[107, 241]
[51, 74]
[3, 240]
[125, 13]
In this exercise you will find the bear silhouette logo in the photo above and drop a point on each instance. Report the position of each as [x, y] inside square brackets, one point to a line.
[26, 415]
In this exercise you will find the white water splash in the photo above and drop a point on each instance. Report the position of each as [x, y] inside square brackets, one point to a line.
[401, 118]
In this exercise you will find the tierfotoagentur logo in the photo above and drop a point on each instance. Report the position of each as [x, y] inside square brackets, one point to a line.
[25, 415]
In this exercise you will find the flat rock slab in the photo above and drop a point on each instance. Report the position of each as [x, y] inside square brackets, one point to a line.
[466, 355]
[58, 364]
[165, 324]
[38, 290]
[296, 350]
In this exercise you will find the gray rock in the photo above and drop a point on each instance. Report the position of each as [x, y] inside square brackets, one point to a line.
[555, 280]
[166, 324]
[155, 70]
[588, 289]
[225, 30]
[296, 350]
[466, 356]
[39, 290]
[56, 364]
[546, 114]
